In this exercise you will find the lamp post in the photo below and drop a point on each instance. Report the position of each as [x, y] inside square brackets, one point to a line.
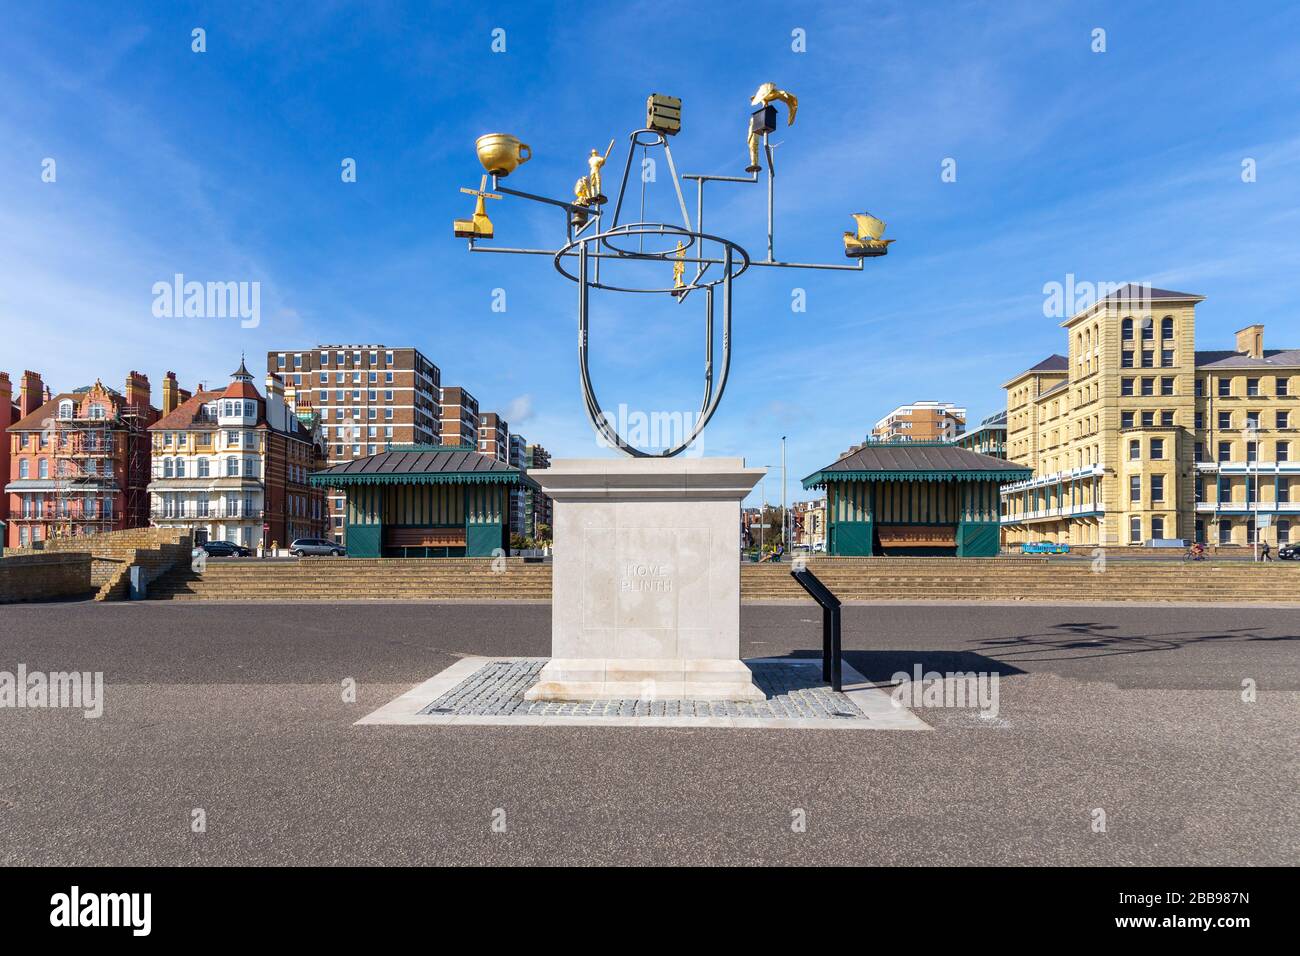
[1252, 439]
[785, 520]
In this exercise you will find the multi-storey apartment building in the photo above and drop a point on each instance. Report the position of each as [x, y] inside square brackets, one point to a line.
[808, 524]
[460, 420]
[537, 506]
[79, 461]
[990, 438]
[921, 421]
[368, 397]
[233, 465]
[1136, 436]
[518, 496]
[494, 437]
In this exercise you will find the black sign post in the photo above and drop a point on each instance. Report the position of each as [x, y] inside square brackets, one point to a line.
[832, 659]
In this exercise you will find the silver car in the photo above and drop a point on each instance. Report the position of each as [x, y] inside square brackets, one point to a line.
[317, 546]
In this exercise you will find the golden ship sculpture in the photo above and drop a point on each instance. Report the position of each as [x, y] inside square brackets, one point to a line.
[684, 248]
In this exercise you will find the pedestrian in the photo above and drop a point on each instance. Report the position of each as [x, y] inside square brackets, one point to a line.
[1264, 553]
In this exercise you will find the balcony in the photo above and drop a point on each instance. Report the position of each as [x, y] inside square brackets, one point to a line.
[1050, 514]
[1248, 507]
[212, 513]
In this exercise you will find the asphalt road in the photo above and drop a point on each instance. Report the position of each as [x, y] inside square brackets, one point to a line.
[237, 710]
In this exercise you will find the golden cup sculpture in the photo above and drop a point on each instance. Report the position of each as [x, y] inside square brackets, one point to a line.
[501, 154]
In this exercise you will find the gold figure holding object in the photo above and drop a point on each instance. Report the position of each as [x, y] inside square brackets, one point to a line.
[866, 242]
[594, 162]
[480, 226]
[762, 122]
[679, 266]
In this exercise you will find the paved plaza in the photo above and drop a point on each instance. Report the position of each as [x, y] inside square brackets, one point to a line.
[246, 713]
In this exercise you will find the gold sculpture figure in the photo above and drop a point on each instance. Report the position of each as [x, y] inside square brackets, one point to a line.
[679, 266]
[479, 226]
[866, 242]
[766, 94]
[594, 162]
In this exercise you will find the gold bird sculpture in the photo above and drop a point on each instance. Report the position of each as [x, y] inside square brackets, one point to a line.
[768, 93]
[866, 240]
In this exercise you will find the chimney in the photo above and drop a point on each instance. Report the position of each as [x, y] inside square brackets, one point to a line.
[170, 394]
[6, 407]
[31, 394]
[1250, 341]
[137, 390]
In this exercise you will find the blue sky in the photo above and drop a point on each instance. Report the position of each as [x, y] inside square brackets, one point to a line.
[225, 166]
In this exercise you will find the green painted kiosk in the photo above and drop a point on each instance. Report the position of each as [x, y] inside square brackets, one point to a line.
[914, 498]
[425, 501]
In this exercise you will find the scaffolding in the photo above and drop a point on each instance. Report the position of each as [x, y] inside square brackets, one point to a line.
[86, 474]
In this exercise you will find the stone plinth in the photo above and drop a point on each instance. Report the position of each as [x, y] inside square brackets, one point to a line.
[646, 579]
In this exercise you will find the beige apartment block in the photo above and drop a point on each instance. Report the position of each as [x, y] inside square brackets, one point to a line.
[1135, 436]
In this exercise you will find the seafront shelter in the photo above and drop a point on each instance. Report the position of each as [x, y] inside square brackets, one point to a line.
[425, 501]
[914, 498]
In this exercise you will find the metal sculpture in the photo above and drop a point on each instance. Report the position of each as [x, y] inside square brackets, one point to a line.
[717, 261]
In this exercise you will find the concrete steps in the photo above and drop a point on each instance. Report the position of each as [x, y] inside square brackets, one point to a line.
[914, 579]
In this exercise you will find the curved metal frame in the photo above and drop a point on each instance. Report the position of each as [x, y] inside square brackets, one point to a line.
[709, 404]
[635, 229]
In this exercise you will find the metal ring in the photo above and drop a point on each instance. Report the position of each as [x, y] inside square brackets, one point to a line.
[660, 229]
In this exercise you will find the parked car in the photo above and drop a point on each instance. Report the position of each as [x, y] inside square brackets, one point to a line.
[224, 549]
[1044, 547]
[1289, 552]
[317, 546]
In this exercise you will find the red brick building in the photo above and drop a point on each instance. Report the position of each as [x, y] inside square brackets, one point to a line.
[78, 461]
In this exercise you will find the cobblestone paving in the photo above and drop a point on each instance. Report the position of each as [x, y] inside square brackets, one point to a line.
[793, 691]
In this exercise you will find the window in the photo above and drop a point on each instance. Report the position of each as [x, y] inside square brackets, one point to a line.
[1252, 387]
[1166, 358]
[1200, 388]
[388, 395]
[1125, 419]
[1157, 487]
[374, 377]
[43, 468]
[1283, 531]
[23, 468]
[1157, 448]
[1225, 420]
[1157, 527]
[1167, 385]
[1252, 451]
[1167, 419]
[1200, 488]
[1225, 388]
[1198, 453]
[232, 467]
[297, 360]
[202, 466]
[1167, 327]
[180, 467]
[1126, 386]
[167, 468]
[388, 378]
[65, 410]
[1225, 451]
[1252, 420]
[1284, 451]
[1225, 532]
[1135, 488]
[1126, 330]
[1199, 421]
[1283, 419]
[1284, 489]
[1148, 359]
[1135, 530]
[1148, 386]
[1126, 359]
[1283, 386]
[388, 414]
[1134, 449]
[279, 360]
[1148, 329]
[1148, 419]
